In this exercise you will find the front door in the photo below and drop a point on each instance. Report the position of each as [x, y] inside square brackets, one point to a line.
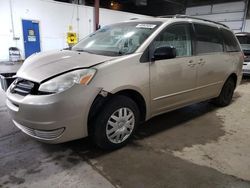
[31, 37]
[173, 81]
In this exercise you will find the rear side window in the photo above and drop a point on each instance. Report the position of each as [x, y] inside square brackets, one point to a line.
[208, 39]
[230, 41]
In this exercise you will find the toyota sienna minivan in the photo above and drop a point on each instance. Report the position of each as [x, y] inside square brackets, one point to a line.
[122, 75]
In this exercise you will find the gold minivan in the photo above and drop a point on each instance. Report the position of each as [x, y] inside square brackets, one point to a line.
[124, 74]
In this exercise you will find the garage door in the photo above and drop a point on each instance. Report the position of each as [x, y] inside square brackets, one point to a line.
[230, 14]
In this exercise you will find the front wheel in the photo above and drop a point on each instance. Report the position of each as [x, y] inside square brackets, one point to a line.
[226, 94]
[116, 123]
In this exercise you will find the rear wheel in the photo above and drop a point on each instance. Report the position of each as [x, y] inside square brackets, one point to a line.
[116, 123]
[226, 94]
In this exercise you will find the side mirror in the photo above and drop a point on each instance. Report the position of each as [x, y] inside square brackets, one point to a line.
[164, 52]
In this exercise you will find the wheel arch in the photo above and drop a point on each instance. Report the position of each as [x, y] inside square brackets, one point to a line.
[234, 77]
[101, 99]
[138, 99]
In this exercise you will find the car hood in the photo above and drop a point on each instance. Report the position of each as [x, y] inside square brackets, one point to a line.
[44, 65]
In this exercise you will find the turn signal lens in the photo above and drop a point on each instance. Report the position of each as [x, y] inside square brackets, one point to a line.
[86, 79]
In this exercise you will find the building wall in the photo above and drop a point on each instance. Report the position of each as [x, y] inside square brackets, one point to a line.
[231, 14]
[247, 26]
[54, 19]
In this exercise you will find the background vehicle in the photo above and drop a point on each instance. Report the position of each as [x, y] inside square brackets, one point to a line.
[244, 39]
[122, 75]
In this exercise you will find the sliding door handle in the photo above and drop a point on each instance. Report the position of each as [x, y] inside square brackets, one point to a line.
[201, 62]
[191, 63]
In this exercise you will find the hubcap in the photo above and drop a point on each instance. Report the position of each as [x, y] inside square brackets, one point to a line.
[120, 125]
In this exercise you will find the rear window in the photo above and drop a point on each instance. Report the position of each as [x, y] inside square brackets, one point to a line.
[230, 41]
[208, 39]
[244, 42]
[244, 39]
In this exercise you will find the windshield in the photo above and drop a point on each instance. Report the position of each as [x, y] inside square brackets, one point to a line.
[244, 42]
[118, 39]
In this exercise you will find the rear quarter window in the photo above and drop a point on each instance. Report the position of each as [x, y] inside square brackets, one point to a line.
[230, 41]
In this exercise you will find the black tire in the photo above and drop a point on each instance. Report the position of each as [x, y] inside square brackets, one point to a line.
[99, 134]
[226, 95]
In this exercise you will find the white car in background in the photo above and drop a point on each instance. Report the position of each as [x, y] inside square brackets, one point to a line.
[244, 39]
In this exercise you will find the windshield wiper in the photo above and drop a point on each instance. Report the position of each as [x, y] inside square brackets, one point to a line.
[120, 53]
[82, 50]
[79, 50]
[69, 48]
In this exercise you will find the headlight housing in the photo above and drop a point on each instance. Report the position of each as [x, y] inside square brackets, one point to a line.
[67, 80]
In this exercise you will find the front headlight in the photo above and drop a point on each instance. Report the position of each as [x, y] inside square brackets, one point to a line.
[67, 80]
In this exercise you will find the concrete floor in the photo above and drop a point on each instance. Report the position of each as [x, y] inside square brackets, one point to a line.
[196, 146]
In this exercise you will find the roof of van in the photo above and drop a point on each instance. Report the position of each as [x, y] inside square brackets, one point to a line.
[182, 18]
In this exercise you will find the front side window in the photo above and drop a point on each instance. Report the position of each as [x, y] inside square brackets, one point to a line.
[208, 39]
[177, 36]
[118, 39]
